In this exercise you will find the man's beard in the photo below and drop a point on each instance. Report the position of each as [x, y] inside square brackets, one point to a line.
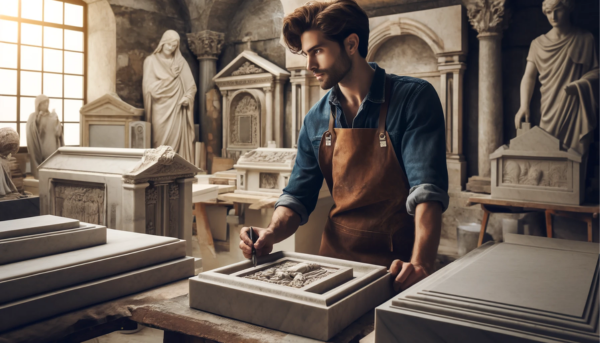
[337, 72]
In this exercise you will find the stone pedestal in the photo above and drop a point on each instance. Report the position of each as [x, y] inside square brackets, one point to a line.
[489, 19]
[207, 47]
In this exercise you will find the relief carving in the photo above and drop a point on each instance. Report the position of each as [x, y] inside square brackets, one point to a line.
[269, 156]
[244, 132]
[245, 82]
[269, 180]
[247, 68]
[535, 173]
[84, 202]
[292, 274]
[151, 201]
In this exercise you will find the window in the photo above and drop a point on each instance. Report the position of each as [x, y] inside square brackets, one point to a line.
[42, 51]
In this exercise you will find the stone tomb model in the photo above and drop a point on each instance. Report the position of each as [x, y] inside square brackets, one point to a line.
[535, 167]
[302, 294]
[527, 289]
[264, 171]
[72, 265]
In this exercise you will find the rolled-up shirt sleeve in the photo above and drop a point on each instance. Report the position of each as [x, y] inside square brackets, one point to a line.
[302, 192]
[424, 149]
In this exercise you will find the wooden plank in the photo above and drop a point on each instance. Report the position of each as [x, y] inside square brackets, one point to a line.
[202, 225]
[221, 164]
[585, 208]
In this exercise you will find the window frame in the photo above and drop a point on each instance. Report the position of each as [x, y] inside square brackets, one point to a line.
[42, 23]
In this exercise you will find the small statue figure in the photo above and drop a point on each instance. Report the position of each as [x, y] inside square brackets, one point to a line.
[169, 91]
[567, 62]
[44, 133]
[9, 144]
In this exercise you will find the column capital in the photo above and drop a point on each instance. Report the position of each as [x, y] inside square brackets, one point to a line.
[488, 17]
[206, 44]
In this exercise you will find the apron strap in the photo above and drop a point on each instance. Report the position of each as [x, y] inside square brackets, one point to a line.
[384, 107]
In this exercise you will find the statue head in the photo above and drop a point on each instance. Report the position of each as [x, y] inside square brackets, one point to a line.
[9, 141]
[558, 11]
[169, 43]
[42, 103]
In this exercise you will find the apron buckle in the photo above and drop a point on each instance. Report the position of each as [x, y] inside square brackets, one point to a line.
[382, 141]
[328, 140]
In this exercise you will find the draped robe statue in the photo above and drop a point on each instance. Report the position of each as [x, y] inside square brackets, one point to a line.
[169, 91]
[44, 133]
[9, 144]
[567, 63]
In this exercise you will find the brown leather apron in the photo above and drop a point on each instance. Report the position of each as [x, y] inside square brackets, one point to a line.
[368, 222]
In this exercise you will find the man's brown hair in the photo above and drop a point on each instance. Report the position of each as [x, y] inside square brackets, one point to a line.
[337, 20]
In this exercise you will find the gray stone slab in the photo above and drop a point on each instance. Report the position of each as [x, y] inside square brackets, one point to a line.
[44, 244]
[51, 280]
[35, 225]
[36, 308]
[315, 311]
[532, 289]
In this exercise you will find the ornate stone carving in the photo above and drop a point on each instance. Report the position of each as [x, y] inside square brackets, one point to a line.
[151, 195]
[292, 274]
[9, 145]
[247, 68]
[269, 156]
[535, 173]
[82, 201]
[244, 121]
[163, 155]
[269, 180]
[206, 44]
[244, 82]
[173, 191]
[487, 16]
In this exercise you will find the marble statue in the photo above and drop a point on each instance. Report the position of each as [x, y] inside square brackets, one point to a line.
[169, 91]
[292, 274]
[567, 63]
[9, 144]
[44, 133]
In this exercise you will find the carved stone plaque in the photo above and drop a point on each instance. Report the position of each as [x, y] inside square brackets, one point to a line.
[80, 200]
[517, 171]
[269, 180]
[292, 274]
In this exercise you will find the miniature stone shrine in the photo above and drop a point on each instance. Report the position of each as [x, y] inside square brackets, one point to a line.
[506, 292]
[264, 171]
[169, 105]
[146, 191]
[44, 133]
[535, 167]
[325, 294]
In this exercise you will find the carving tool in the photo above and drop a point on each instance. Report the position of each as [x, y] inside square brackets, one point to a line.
[253, 238]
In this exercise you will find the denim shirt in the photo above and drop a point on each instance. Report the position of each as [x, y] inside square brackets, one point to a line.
[415, 125]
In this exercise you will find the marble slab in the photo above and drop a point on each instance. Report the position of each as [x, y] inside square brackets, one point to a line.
[123, 252]
[35, 225]
[319, 310]
[36, 308]
[44, 244]
[204, 192]
[528, 289]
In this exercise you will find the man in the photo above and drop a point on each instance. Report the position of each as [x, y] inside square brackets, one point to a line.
[377, 139]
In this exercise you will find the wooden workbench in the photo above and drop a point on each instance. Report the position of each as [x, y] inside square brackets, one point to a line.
[586, 212]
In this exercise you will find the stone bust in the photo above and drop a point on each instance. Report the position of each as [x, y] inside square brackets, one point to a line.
[44, 133]
[566, 61]
[9, 144]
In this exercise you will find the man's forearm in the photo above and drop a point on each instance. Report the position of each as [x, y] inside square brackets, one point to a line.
[428, 228]
[284, 223]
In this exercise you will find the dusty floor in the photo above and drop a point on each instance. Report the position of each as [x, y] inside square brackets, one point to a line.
[145, 335]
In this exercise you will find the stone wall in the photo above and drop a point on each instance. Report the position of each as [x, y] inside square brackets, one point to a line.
[140, 26]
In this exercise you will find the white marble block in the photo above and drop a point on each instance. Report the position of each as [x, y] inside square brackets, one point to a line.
[264, 171]
[35, 225]
[527, 289]
[319, 309]
[123, 252]
[44, 244]
[139, 135]
[535, 167]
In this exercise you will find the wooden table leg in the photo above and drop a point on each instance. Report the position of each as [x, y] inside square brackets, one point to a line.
[549, 223]
[589, 221]
[484, 222]
[200, 213]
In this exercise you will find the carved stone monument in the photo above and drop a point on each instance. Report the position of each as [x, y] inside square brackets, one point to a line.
[264, 171]
[535, 167]
[139, 135]
[105, 122]
[44, 133]
[9, 144]
[253, 112]
[146, 191]
[307, 295]
[169, 91]
[506, 292]
[566, 61]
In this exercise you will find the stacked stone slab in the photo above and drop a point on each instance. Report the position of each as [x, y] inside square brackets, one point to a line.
[51, 265]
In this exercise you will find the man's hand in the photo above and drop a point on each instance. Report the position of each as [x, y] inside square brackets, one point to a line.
[263, 245]
[406, 274]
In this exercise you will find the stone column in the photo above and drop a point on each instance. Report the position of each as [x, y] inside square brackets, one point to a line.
[269, 125]
[207, 47]
[489, 18]
[134, 207]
